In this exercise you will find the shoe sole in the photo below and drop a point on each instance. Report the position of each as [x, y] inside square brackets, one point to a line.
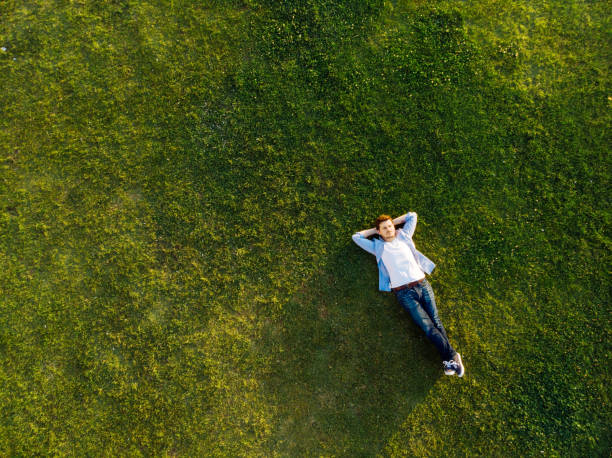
[462, 366]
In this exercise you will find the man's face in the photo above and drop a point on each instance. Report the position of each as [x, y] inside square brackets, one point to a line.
[387, 230]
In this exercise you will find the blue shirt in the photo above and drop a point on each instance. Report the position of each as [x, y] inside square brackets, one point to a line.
[404, 235]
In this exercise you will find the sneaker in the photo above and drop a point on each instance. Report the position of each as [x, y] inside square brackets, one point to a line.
[450, 367]
[460, 369]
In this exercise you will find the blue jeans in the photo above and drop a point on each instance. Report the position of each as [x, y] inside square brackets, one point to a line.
[420, 302]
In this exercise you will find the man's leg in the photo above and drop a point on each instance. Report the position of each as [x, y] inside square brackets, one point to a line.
[429, 304]
[410, 300]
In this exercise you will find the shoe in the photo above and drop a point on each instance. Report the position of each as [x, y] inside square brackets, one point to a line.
[459, 367]
[450, 367]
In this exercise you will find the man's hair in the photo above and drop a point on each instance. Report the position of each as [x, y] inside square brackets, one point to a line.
[381, 219]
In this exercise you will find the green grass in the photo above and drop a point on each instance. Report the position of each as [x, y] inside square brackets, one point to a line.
[179, 184]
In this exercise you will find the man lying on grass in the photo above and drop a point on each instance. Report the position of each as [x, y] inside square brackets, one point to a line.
[402, 269]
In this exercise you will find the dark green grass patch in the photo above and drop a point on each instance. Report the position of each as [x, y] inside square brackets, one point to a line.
[179, 183]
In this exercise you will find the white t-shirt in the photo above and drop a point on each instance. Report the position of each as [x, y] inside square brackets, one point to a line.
[400, 263]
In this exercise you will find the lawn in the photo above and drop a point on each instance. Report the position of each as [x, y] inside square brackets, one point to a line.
[179, 183]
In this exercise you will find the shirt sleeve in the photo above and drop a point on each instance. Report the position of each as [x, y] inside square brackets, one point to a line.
[409, 224]
[364, 243]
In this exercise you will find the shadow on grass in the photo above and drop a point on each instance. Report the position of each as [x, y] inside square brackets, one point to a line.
[349, 364]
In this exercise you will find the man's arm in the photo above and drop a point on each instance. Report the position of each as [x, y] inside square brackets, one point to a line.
[410, 219]
[400, 219]
[360, 238]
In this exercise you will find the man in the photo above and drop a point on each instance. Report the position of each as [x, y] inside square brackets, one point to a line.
[402, 269]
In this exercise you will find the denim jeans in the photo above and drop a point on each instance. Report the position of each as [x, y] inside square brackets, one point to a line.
[420, 302]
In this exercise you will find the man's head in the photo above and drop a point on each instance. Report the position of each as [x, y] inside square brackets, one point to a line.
[385, 227]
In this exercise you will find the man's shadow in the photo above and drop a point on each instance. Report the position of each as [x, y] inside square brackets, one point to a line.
[349, 365]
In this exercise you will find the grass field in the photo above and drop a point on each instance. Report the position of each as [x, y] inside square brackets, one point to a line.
[179, 184]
